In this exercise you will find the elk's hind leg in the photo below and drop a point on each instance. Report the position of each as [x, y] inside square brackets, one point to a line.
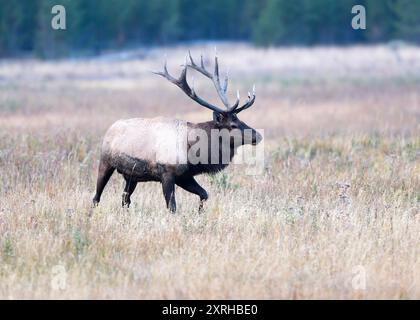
[105, 172]
[130, 186]
[168, 186]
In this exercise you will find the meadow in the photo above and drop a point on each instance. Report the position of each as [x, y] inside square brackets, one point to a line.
[334, 214]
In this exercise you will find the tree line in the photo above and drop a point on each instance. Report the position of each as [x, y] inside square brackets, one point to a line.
[96, 25]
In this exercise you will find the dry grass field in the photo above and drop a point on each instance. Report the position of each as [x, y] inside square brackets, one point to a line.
[335, 213]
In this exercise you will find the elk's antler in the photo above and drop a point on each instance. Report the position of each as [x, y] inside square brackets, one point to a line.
[221, 91]
[248, 103]
[182, 83]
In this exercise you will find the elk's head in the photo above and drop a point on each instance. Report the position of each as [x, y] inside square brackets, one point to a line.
[226, 118]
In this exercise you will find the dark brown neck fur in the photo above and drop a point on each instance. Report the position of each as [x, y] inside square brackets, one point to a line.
[208, 167]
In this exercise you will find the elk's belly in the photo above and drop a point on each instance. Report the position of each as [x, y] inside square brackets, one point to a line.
[143, 170]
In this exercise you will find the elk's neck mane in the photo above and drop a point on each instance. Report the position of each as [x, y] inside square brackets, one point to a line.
[208, 168]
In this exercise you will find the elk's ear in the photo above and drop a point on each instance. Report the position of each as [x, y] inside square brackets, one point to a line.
[218, 117]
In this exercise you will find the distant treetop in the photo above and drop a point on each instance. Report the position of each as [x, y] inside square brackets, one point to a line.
[96, 25]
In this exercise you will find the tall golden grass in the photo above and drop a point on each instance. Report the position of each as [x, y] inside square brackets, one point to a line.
[335, 214]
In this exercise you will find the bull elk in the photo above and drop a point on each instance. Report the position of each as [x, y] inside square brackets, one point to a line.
[143, 149]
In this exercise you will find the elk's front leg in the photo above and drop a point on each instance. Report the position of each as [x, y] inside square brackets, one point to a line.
[189, 184]
[168, 186]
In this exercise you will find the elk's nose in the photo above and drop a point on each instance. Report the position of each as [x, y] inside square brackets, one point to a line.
[257, 137]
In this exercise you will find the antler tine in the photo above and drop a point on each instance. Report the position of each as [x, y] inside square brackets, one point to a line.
[191, 58]
[249, 102]
[216, 68]
[202, 61]
[165, 73]
[201, 68]
[214, 77]
[217, 84]
[165, 66]
[225, 84]
[183, 76]
[236, 104]
[182, 83]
